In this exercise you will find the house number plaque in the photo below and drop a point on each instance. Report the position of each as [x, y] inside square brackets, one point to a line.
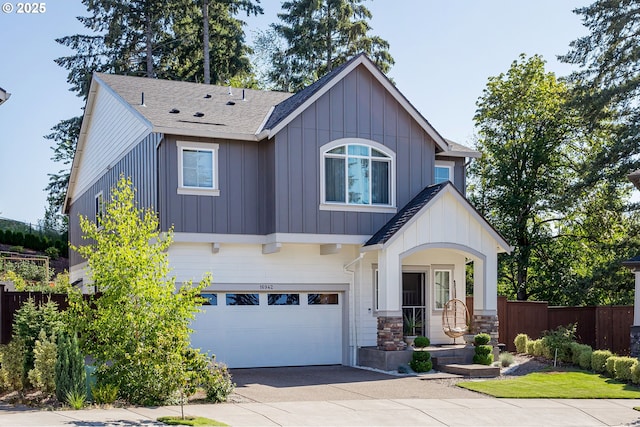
[266, 287]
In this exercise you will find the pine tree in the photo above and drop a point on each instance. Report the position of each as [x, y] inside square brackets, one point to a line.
[149, 39]
[608, 86]
[321, 35]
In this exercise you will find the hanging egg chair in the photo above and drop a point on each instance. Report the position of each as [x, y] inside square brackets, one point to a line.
[455, 319]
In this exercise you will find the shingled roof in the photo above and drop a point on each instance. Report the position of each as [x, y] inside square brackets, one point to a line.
[288, 106]
[405, 214]
[195, 109]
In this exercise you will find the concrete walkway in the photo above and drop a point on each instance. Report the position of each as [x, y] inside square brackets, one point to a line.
[371, 412]
[343, 396]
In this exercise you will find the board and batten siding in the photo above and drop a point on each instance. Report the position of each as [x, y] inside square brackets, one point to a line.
[245, 179]
[356, 107]
[139, 165]
[112, 132]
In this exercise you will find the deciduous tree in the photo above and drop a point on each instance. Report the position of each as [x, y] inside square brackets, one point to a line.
[138, 329]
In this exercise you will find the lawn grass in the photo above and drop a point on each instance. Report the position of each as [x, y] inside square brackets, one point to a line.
[190, 421]
[556, 385]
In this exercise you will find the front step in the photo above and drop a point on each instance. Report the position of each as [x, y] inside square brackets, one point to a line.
[472, 371]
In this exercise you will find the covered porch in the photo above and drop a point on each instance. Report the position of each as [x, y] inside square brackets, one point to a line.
[422, 258]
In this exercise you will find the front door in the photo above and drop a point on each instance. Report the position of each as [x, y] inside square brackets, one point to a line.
[414, 303]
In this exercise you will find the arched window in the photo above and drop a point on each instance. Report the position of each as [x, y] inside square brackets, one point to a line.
[357, 173]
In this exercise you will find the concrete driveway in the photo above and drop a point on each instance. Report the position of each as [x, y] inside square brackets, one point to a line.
[315, 383]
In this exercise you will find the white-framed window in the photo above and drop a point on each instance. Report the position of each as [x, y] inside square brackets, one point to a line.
[443, 172]
[198, 168]
[357, 174]
[99, 208]
[442, 279]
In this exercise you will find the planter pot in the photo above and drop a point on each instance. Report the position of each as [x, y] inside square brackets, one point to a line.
[409, 340]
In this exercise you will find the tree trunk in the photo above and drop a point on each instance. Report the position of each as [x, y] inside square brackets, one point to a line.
[148, 35]
[328, 40]
[205, 41]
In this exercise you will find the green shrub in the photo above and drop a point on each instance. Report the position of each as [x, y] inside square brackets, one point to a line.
[585, 359]
[635, 374]
[576, 350]
[610, 366]
[482, 339]
[42, 376]
[506, 359]
[218, 384]
[13, 364]
[530, 346]
[483, 359]
[520, 342]
[484, 349]
[421, 361]
[559, 339]
[623, 367]
[104, 394]
[52, 252]
[76, 398]
[538, 347]
[421, 342]
[599, 360]
[70, 375]
[16, 248]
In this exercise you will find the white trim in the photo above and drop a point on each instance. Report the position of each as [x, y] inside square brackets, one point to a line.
[352, 207]
[385, 82]
[440, 267]
[277, 287]
[344, 239]
[502, 245]
[98, 206]
[357, 208]
[200, 146]
[461, 154]
[259, 133]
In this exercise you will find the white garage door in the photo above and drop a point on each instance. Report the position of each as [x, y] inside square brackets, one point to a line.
[271, 329]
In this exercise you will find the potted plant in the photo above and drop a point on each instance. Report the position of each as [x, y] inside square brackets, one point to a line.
[410, 324]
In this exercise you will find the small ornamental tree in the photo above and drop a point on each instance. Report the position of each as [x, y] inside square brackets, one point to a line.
[137, 331]
[70, 376]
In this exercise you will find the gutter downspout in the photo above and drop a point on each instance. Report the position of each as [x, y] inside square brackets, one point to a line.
[354, 354]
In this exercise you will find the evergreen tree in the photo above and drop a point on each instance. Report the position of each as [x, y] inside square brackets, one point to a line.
[70, 375]
[321, 35]
[150, 39]
[608, 85]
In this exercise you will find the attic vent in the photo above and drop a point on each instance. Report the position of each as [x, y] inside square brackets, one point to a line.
[207, 96]
[231, 103]
[174, 111]
[198, 114]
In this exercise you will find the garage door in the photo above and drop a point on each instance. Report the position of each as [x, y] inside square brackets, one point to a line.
[271, 329]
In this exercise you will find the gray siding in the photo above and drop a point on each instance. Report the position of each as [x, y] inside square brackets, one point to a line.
[137, 164]
[356, 107]
[245, 174]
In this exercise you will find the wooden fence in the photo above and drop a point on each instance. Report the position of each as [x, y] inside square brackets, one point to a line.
[601, 327]
[10, 302]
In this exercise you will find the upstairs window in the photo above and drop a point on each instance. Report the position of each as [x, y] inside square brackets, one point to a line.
[99, 208]
[358, 174]
[443, 172]
[198, 168]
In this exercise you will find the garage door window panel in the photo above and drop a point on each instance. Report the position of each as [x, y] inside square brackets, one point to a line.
[209, 299]
[322, 299]
[243, 299]
[283, 299]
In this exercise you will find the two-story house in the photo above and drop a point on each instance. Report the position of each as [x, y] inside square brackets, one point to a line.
[325, 216]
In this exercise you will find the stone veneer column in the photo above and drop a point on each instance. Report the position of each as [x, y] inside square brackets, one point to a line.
[634, 347]
[487, 324]
[390, 337]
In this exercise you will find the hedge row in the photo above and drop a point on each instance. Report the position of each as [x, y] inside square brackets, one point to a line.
[604, 362]
[34, 241]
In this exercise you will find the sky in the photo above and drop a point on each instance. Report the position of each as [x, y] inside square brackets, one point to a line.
[444, 51]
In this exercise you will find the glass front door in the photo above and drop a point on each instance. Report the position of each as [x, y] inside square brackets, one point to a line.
[414, 303]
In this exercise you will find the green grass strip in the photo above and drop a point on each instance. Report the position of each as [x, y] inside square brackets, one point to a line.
[556, 385]
[190, 421]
